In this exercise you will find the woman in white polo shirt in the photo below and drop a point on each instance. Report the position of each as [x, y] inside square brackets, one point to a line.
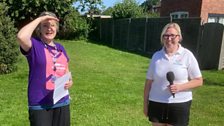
[166, 104]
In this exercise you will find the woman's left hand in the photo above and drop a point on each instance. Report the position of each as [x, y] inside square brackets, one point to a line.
[174, 88]
[68, 84]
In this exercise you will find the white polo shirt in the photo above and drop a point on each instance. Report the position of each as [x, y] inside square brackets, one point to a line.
[184, 66]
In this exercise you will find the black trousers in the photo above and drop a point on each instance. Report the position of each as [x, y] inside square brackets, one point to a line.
[51, 117]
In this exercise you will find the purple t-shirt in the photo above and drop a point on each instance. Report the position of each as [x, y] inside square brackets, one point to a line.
[41, 69]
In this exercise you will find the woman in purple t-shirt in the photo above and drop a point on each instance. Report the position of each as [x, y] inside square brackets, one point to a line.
[47, 61]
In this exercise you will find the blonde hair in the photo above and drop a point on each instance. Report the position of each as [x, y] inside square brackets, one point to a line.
[37, 30]
[171, 25]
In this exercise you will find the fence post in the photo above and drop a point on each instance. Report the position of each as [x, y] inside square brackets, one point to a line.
[128, 35]
[221, 58]
[100, 29]
[199, 41]
[145, 34]
[112, 43]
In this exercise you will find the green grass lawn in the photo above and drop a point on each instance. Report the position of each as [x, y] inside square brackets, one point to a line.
[108, 90]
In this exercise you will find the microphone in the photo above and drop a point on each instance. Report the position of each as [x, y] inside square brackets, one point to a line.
[170, 77]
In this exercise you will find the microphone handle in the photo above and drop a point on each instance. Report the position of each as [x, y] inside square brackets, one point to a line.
[172, 93]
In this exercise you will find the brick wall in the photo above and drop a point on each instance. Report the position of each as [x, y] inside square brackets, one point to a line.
[211, 7]
[195, 8]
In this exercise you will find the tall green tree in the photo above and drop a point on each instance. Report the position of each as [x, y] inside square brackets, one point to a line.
[74, 27]
[148, 5]
[90, 6]
[108, 11]
[21, 11]
[127, 9]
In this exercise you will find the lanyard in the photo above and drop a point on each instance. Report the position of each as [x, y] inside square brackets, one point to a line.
[55, 53]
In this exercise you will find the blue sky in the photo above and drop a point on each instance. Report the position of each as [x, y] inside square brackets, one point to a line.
[110, 3]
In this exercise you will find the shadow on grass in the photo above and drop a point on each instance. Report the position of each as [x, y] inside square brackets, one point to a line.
[214, 77]
[137, 51]
[211, 78]
[212, 83]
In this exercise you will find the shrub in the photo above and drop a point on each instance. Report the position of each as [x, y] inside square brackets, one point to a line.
[74, 27]
[23, 11]
[127, 9]
[8, 45]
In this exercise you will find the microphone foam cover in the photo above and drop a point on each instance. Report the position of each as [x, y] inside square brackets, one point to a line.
[170, 76]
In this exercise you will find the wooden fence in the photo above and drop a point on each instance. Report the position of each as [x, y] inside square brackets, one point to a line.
[142, 35]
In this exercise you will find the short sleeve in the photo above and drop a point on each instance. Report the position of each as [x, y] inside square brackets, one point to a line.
[193, 67]
[150, 70]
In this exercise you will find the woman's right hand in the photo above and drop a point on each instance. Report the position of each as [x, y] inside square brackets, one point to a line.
[25, 33]
[48, 17]
[145, 110]
[147, 88]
